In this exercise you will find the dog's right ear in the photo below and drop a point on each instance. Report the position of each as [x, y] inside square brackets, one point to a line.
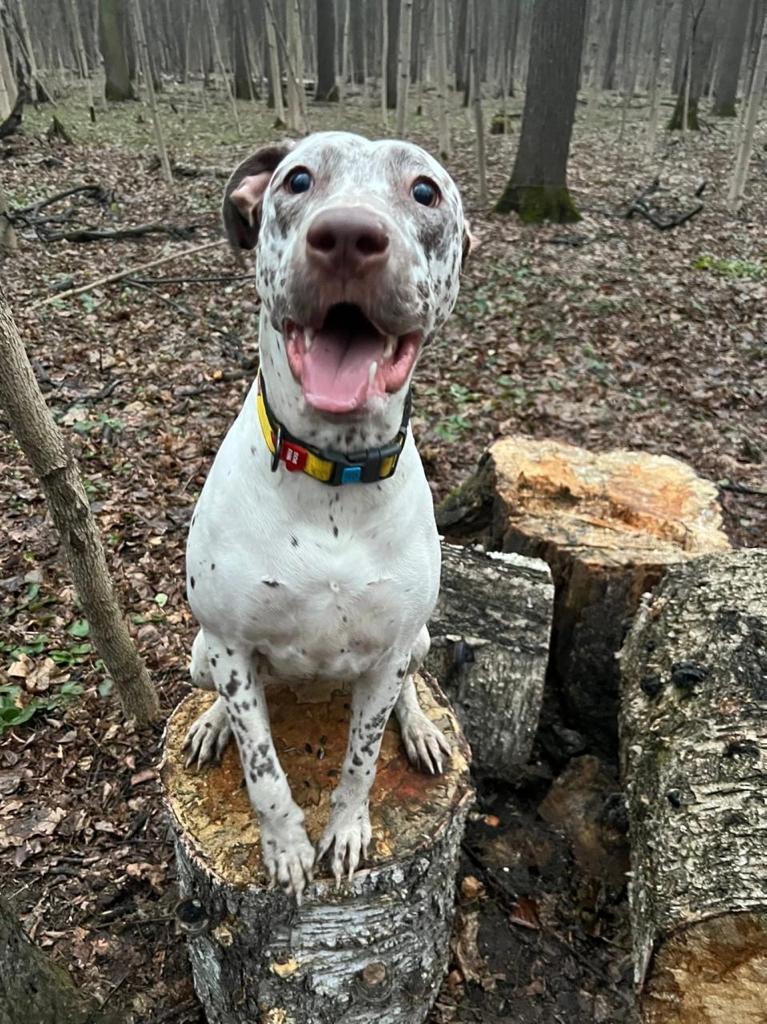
[244, 193]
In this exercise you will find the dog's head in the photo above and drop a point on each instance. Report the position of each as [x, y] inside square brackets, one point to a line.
[359, 250]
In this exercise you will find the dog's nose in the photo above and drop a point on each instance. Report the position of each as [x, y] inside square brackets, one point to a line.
[347, 241]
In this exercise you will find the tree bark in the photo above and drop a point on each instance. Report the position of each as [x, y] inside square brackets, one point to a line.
[403, 75]
[275, 76]
[613, 36]
[33, 988]
[8, 87]
[460, 39]
[82, 57]
[490, 639]
[243, 84]
[685, 116]
[8, 241]
[733, 48]
[443, 96]
[476, 104]
[374, 952]
[537, 190]
[327, 89]
[111, 20]
[392, 51]
[694, 761]
[44, 446]
[609, 525]
[746, 141]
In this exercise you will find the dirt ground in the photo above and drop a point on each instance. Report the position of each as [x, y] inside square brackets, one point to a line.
[606, 333]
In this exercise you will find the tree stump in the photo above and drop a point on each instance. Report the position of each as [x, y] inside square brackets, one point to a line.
[374, 950]
[609, 525]
[694, 761]
[489, 648]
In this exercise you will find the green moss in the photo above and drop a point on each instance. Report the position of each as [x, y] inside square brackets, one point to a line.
[538, 203]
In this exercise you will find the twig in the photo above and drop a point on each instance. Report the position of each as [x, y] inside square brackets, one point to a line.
[99, 193]
[118, 234]
[208, 279]
[131, 282]
[111, 278]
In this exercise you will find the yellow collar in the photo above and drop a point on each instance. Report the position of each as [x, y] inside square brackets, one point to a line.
[329, 467]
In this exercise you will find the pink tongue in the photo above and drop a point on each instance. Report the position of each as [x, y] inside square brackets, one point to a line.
[336, 370]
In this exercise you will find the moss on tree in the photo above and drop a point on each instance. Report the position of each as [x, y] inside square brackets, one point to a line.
[538, 203]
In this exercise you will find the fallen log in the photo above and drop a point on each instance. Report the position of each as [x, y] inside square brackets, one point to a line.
[489, 647]
[372, 952]
[609, 525]
[694, 762]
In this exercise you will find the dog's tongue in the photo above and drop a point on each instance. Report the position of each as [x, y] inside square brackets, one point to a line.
[336, 373]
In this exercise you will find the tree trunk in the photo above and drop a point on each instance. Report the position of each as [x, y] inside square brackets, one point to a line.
[327, 89]
[8, 88]
[403, 76]
[746, 142]
[443, 97]
[694, 762]
[44, 446]
[685, 116]
[143, 52]
[476, 103]
[82, 57]
[733, 47]
[221, 66]
[358, 41]
[613, 35]
[392, 51]
[460, 39]
[489, 648]
[659, 24]
[537, 190]
[118, 84]
[33, 988]
[275, 76]
[8, 241]
[243, 85]
[609, 525]
[374, 952]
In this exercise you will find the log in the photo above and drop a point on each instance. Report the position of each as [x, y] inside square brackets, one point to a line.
[372, 952]
[694, 762]
[489, 648]
[609, 525]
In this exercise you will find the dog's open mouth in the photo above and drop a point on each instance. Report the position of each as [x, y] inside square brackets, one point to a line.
[348, 360]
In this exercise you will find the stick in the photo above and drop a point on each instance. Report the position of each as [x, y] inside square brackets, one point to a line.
[124, 273]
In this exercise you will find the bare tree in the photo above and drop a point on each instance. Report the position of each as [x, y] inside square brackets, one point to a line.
[392, 51]
[275, 76]
[327, 88]
[476, 102]
[746, 141]
[82, 57]
[733, 48]
[537, 189]
[44, 446]
[8, 88]
[112, 43]
[143, 50]
[701, 40]
[403, 76]
[443, 101]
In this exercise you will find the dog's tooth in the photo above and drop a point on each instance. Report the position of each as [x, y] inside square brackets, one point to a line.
[308, 338]
[372, 372]
[389, 347]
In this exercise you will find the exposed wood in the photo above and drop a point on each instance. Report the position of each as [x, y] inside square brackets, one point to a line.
[373, 952]
[44, 446]
[609, 525]
[489, 648]
[694, 762]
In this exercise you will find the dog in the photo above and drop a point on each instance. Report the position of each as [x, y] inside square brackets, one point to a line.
[313, 553]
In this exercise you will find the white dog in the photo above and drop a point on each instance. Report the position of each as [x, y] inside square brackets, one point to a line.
[313, 551]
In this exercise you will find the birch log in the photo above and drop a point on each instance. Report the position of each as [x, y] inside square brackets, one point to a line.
[694, 761]
[372, 952]
[609, 525]
[489, 649]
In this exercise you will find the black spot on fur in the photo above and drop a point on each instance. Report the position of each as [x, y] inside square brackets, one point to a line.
[212, 566]
[213, 661]
[294, 541]
[270, 583]
[357, 761]
[400, 673]
[233, 685]
[335, 531]
[229, 651]
[191, 580]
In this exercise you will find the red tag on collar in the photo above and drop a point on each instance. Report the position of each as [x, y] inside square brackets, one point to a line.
[293, 455]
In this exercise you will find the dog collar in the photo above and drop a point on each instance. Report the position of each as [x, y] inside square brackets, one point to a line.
[329, 467]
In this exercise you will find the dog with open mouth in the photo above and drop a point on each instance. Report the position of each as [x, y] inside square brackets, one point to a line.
[313, 552]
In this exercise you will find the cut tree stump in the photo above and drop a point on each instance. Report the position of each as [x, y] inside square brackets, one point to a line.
[609, 525]
[372, 952]
[489, 648]
[694, 762]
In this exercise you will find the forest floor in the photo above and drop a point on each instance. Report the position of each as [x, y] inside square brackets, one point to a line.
[605, 333]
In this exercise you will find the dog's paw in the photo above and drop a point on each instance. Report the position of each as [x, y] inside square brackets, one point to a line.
[288, 854]
[207, 738]
[348, 834]
[426, 747]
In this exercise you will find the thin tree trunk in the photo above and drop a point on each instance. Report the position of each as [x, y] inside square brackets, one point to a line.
[43, 444]
[476, 88]
[8, 88]
[392, 52]
[345, 53]
[117, 86]
[149, 84]
[222, 67]
[274, 62]
[443, 105]
[327, 87]
[43, 96]
[385, 63]
[701, 41]
[733, 47]
[746, 145]
[403, 77]
[613, 36]
[660, 16]
[82, 58]
[8, 241]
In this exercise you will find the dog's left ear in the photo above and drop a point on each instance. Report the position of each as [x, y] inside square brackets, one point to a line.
[244, 193]
[469, 242]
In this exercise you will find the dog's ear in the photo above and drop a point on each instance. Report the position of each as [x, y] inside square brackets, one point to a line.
[469, 242]
[244, 193]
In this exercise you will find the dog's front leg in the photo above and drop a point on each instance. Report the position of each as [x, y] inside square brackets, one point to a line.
[348, 830]
[287, 852]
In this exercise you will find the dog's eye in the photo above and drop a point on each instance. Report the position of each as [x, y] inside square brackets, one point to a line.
[299, 180]
[426, 192]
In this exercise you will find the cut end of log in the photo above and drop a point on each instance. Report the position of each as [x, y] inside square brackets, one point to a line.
[614, 507]
[407, 807]
[712, 973]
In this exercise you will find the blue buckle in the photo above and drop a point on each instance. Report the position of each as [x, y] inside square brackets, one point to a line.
[351, 474]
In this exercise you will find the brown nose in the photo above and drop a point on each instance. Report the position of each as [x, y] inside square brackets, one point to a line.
[347, 241]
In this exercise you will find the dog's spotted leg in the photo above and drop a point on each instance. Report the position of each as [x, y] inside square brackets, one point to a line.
[423, 740]
[348, 830]
[287, 852]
